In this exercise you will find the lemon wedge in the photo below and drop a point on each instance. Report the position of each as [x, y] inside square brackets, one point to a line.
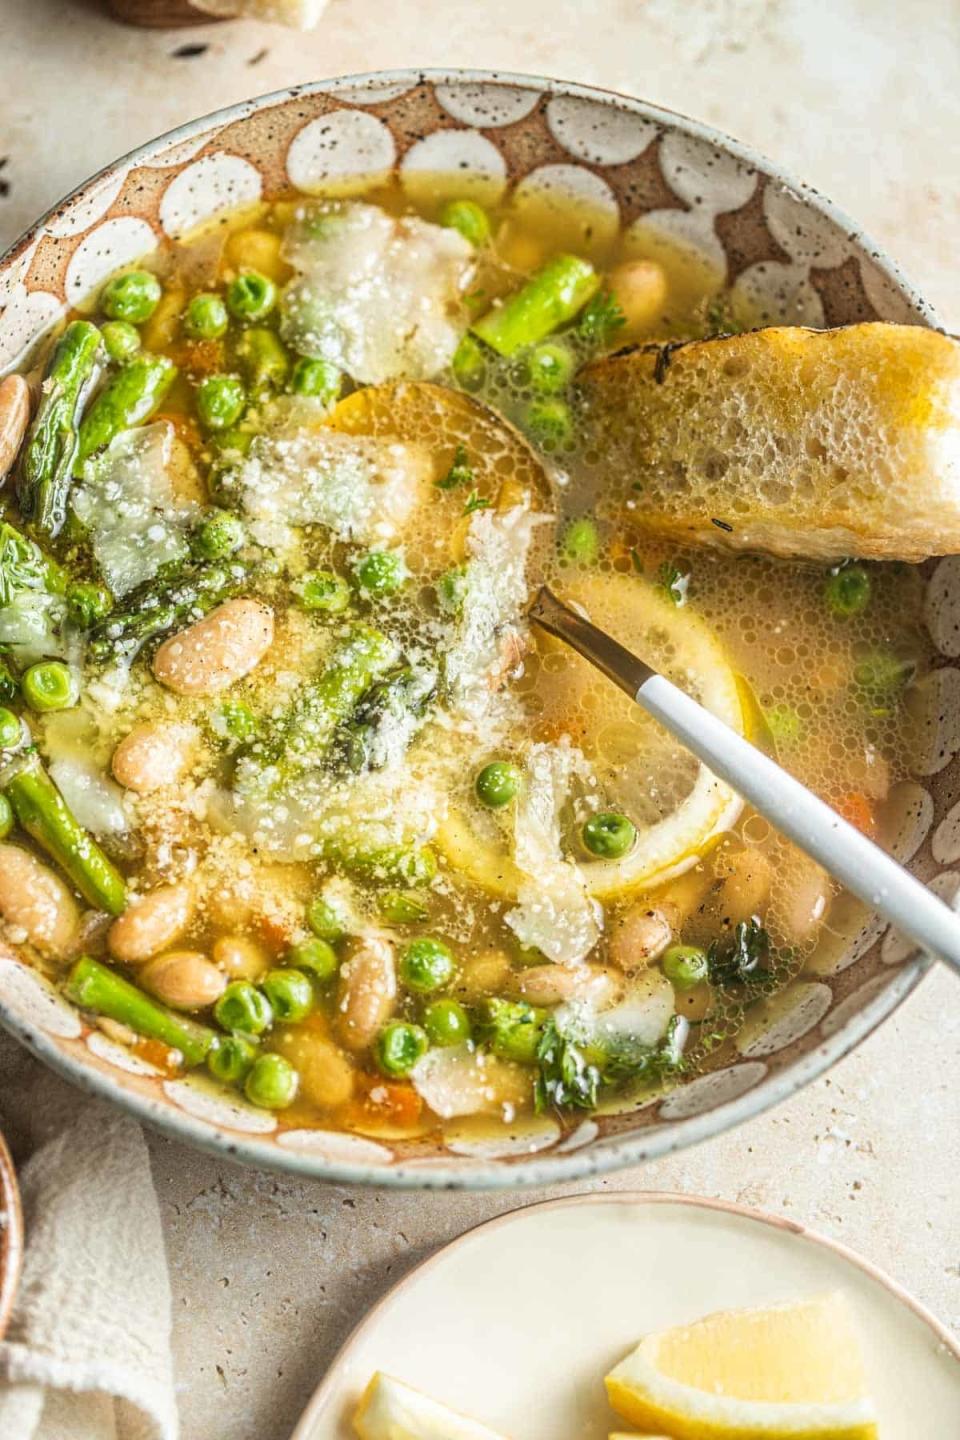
[676, 804]
[793, 1372]
[391, 1410]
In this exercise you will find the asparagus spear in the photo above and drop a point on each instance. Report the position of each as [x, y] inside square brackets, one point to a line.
[46, 471]
[385, 719]
[131, 397]
[93, 987]
[305, 732]
[42, 811]
[388, 864]
[154, 608]
[549, 299]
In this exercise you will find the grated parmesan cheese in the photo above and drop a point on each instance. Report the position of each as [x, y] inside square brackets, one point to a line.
[377, 296]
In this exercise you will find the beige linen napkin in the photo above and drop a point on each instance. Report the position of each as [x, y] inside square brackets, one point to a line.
[87, 1355]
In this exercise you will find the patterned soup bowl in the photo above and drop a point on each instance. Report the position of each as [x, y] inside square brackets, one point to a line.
[781, 245]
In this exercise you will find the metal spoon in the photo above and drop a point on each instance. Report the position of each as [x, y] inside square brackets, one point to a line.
[863, 868]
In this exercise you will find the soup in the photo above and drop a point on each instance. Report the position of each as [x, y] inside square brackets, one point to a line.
[292, 794]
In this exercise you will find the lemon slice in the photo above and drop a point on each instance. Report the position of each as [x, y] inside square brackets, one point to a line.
[391, 1410]
[793, 1372]
[677, 805]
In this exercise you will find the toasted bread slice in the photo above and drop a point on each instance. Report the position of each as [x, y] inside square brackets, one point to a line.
[299, 14]
[818, 443]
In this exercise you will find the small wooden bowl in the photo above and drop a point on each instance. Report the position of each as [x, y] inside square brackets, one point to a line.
[160, 14]
[11, 1236]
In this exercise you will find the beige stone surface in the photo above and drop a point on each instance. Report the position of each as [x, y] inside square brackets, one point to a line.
[862, 99]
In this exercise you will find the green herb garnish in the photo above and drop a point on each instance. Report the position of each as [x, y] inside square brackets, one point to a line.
[460, 472]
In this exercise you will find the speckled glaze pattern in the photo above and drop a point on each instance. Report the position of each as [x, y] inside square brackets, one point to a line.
[524, 139]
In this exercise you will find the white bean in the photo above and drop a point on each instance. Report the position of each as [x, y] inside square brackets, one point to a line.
[36, 905]
[184, 979]
[239, 957]
[368, 992]
[153, 755]
[548, 984]
[640, 289]
[326, 1073]
[151, 923]
[641, 934]
[745, 879]
[14, 418]
[216, 651]
[806, 894]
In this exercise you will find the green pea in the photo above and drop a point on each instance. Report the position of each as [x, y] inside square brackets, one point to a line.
[206, 317]
[609, 834]
[399, 907]
[121, 340]
[230, 1057]
[11, 730]
[446, 1022]
[290, 994]
[265, 362]
[314, 956]
[235, 721]
[132, 296]
[243, 1007]
[513, 1029]
[221, 534]
[426, 964]
[784, 724]
[551, 424]
[380, 572]
[581, 542]
[498, 784]
[316, 378]
[324, 591]
[324, 920]
[251, 296]
[272, 1083]
[233, 439]
[452, 590]
[87, 602]
[847, 591]
[50, 685]
[399, 1046]
[686, 966]
[469, 218]
[550, 367]
[6, 817]
[469, 364]
[220, 401]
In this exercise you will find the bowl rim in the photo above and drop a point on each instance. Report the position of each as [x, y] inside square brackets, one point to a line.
[320, 1398]
[11, 1235]
[552, 1166]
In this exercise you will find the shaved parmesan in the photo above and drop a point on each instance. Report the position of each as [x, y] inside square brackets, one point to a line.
[494, 601]
[458, 1080]
[555, 913]
[360, 488]
[374, 295]
[127, 501]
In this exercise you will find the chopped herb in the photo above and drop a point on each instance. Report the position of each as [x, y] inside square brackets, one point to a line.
[22, 564]
[637, 559]
[475, 501]
[673, 582]
[742, 960]
[722, 525]
[460, 472]
[601, 319]
[718, 316]
[566, 1078]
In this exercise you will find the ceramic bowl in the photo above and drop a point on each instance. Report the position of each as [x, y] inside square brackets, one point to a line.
[11, 1235]
[778, 242]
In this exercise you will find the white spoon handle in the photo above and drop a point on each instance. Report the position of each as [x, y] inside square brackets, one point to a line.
[866, 870]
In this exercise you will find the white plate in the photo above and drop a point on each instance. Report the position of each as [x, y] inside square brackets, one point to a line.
[516, 1322]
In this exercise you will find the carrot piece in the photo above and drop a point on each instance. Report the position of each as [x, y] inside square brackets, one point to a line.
[857, 808]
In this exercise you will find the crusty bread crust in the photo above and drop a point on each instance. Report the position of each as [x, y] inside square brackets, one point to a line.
[817, 443]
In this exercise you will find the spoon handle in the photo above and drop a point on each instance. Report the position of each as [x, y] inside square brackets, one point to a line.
[866, 870]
